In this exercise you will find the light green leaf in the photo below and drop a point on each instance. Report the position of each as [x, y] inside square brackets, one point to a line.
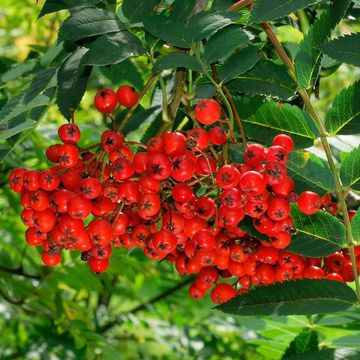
[295, 297]
[355, 226]
[317, 235]
[345, 49]
[308, 58]
[19, 70]
[328, 354]
[350, 170]
[113, 48]
[306, 341]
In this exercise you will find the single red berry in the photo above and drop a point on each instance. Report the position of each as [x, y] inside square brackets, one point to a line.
[174, 143]
[182, 193]
[158, 166]
[254, 155]
[16, 180]
[155, 145]
[164, 241]
[49, 180]
[52, 153]
[233, 198]
[182, 168]
[122, 169]
[69, 133]
[285, 141]
[90, 188]
[50, 259]
[105, 100]
[197, 139]
[127, 96]
[207, 111]
[334, 276]
[265, 274]
[334, 262]
[31, 180]
[276, 153]
[71, 179]
[309, 202]
[205, 166]
[267, 254]
[100, 232]
[252, 182]
[195, 293]
[217, 135]
[205, 207]
[228, 177]
[79, 207]
[274, 173]
[111, 140]
[44, 220]
[281, 240]
[34, 237]
[98, 266]
[149, 205]
[284, 188]
[221, 293]
[68, 155]
[278, 209]
[39, 200]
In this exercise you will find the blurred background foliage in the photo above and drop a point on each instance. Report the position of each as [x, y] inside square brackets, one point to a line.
[139, 309]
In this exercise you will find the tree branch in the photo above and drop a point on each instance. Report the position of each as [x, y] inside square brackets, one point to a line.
[20, 272]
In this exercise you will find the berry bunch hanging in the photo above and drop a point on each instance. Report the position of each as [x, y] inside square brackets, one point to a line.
[177, 198]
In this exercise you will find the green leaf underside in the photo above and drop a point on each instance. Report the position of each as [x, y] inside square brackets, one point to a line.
[344, 115]
[344, 49]
[51, 6]
[350, 170]
[355, 226]
[263, 120]
[239, 63]
[295, 297]
[89, 22]
[306, 340]
[111, 49]
[309, 56]
[72, 81]
[136, 11]
[39, 83]
[317, 235]
[266, 78]
[224, 42]
[310, 173]
[172, 61]
[265, 10]
[328, 354]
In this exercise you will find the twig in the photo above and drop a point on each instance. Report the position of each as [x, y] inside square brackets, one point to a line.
[240, 4]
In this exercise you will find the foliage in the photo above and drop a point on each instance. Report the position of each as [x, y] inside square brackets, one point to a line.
[50, 71]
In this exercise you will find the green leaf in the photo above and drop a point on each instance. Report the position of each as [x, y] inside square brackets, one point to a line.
[344, 49]
[205, 24]
[39, 83]
[224, 42]
[87, 22]
[19, 70]
[113, 48]
[350, 170]
[310, 173]
[355, 226]
[169, 30]
[264, 119]
[136, 11]
[266, 78]
[4, 151]
[247, 225]
[328, 354]
[71, 81]
[51, 6]
[238, 63]
[173, 61]
[317, 235]
[26, 125]
[140, 118]
[296, 297]
[265, 10]
[344, 115]
[308, 58]
[306, 341]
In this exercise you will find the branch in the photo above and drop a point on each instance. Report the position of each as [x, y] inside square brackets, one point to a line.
[11, 301]
[240, 4]
[143, 306]
[20, 272]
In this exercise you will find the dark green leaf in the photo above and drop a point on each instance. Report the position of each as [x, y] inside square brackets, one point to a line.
[247, 225]
[345, 49]
[266, 78]
[317, 235]
[89, 22]
[152, 130]
[169, 30]
[140, 118]
[344, 115]
[328, 354]
[173, 61]
[39, 83]
[310, 173]
[113, 48]
[350, 169]
[224, 42]
[355, 226]
[239, 63]
[265, 119]
[51, 6]
[136, 11]
[306, 341]
[308, 58]
[296, 297]
[265, 10]
[205, 24]
[72, 80]
[4, 151]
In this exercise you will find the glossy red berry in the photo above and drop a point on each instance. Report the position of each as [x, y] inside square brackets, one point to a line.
[105, 100]
[285, 141]
[111, 140]
[217, 135]
[50, 259]
[127, 96]
[221, 293]
[69, 133]
[254, 155]
[207, 111]
[98, 266]
[309, 202]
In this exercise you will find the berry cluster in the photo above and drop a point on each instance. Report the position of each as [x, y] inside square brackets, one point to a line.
[177, 198]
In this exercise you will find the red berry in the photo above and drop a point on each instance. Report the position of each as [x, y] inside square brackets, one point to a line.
[79, 207]
[217, 135]
[222, 292]
[69, 133]
[127, 96]
[309, 202]
[90, 188]
[182, 193]
[207, 111]
[252, 182]
[197, 138]
[111, 140]
[100, 232]
[254, 155]
[278, 209]
[158, 166]
[227, 177]
[313, 272]
[50, 259]
[98, 266]
[285, 141]
[16, 180]
[195, 293]
[68, 155]
[52, 153]
[105, 100]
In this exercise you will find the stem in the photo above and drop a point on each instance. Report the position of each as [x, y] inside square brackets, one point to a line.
[240, 4]
[152, 78]
[165, 115]
[323, 137]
